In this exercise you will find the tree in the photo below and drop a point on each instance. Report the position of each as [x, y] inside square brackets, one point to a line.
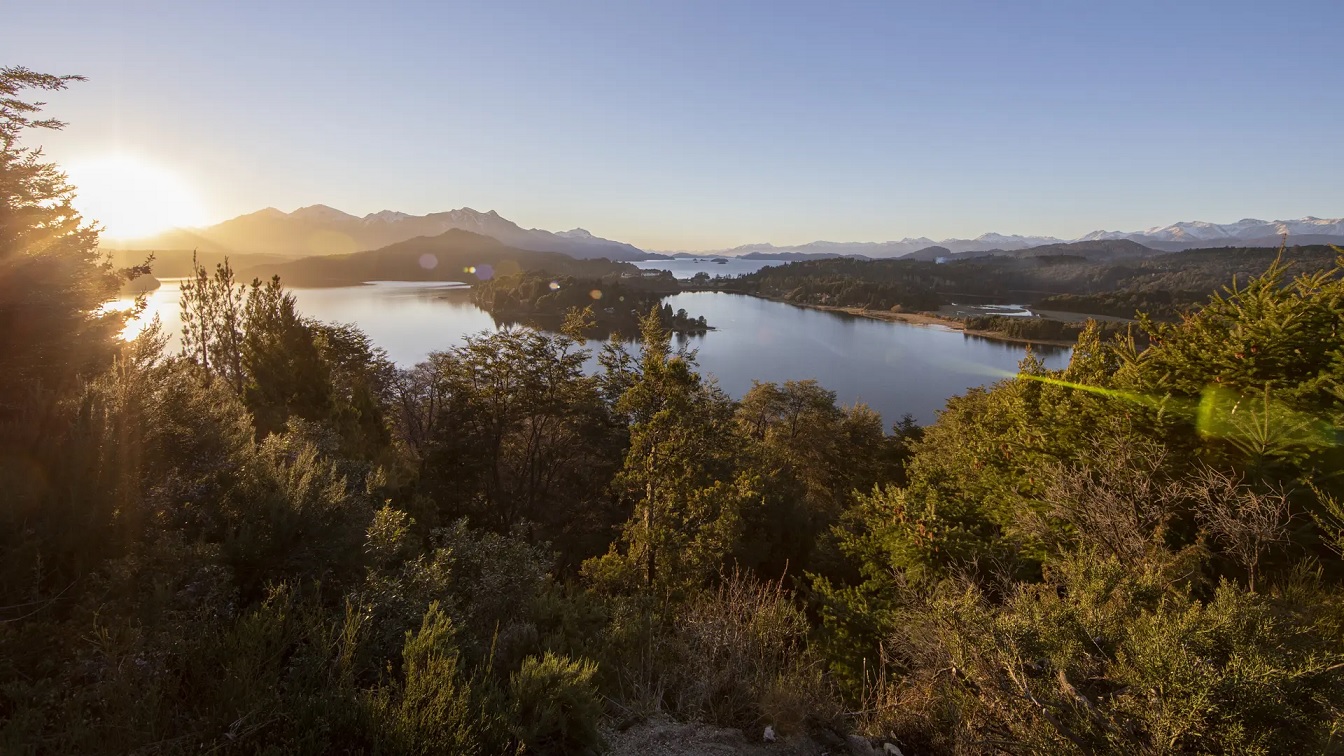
[284, 373]
[812, 456]
[53, 280]
[508, 430]
[56, 342]
[212, 323]
[687, 495]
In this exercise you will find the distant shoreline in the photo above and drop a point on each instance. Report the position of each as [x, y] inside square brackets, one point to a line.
[922, 319]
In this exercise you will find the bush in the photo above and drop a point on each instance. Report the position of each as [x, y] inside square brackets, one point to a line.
[555, 706]
[1119, 657]
[431, 710]
[738, 657]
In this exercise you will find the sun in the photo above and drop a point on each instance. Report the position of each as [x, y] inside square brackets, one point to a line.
[131, 197]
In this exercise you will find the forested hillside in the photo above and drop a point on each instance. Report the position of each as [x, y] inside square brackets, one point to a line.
[278, 542]
[1162, 285]
[454, 255]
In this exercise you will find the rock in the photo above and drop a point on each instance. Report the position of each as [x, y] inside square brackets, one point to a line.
[859, 746]
[769, 735]
[830, 739]
[891, 749]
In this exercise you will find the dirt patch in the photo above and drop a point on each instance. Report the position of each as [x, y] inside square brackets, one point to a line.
[663, 737]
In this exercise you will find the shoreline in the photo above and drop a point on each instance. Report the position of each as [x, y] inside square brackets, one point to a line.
[923, 319]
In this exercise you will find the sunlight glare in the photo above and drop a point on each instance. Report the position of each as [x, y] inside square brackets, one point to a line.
[131, 197]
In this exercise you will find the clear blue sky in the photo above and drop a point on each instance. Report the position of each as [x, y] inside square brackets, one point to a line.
[684, 125]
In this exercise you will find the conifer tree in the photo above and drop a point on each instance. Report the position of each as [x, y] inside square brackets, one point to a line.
[53, 280]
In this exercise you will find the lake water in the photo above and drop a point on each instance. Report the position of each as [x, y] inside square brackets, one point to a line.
[683, 268]
[893, 367]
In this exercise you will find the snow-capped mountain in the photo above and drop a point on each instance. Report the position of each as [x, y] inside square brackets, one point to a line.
[886, 249]
[1187, 235]
[319, 229]
[386, 216]
[1245, 230]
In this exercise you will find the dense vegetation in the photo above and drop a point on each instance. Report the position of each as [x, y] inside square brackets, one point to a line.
[1039, 330]
[278, 542]
[614, 303]
[1162, 285]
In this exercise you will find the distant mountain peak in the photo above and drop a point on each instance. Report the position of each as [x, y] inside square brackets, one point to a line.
[271, 231]
[387, 216]
[468, 212]
[995, 238]
[1183, 235]
[1186, 234]
[321, 213]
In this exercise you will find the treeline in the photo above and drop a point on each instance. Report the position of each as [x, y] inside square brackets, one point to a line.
[608, 304]
[1162, 285]
[278, 542]
[1165, 305]
[1040, 329]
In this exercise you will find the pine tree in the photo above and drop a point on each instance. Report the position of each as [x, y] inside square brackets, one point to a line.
[679, 471]
[53, 280]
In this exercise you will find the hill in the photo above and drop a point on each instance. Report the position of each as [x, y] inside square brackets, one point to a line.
[322, 230]
[1092, 251]
[1109, 277]
[176, 263]
[930, 254]
[450, 256]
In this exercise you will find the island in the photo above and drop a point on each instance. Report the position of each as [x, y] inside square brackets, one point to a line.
[616, 301]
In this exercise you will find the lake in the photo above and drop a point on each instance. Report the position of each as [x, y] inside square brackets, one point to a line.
[684, 268]
[893, 367]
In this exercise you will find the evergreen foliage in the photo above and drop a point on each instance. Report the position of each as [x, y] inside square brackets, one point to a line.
[278, 542]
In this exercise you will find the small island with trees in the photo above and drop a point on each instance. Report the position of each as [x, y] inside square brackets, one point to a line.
[616, 302]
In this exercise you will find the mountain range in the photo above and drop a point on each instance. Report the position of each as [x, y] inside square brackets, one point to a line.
[323, 230]
[1248, 232]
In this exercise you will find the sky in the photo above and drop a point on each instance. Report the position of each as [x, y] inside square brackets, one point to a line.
[702, 125]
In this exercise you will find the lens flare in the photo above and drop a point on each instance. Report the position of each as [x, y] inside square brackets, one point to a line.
[132, 197]
[1257, 423]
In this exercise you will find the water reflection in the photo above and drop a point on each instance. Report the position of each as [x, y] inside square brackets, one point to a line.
[894, 367]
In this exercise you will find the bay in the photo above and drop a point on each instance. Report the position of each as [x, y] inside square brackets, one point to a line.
[896, 368]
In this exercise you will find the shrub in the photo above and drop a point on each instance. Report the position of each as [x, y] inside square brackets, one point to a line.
[1116, 657]
[737, 656]
[431, 710]
[555, 706]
